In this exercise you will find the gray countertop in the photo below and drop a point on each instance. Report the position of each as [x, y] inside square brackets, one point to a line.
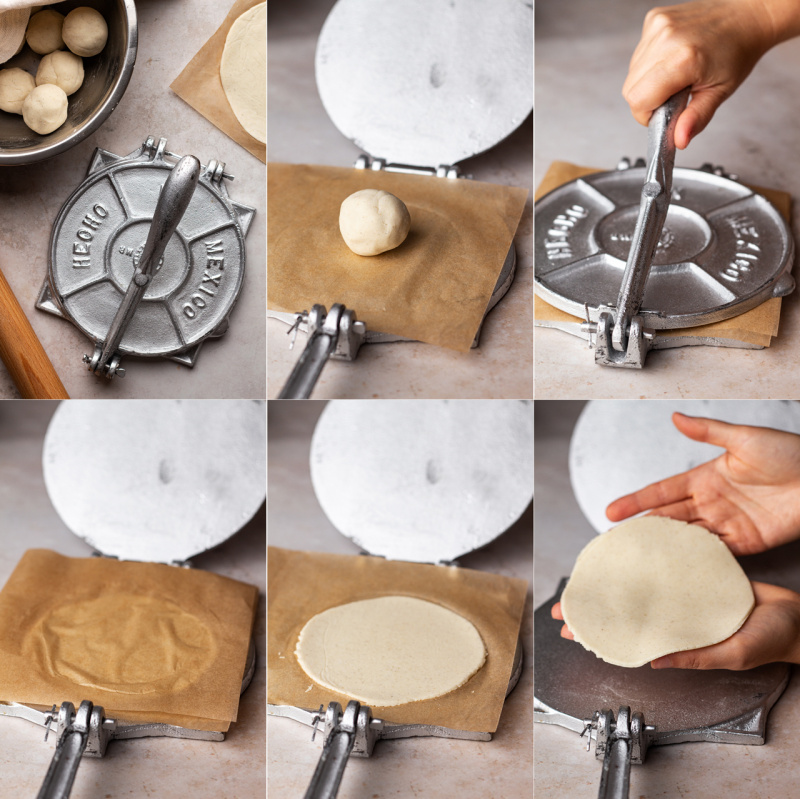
[301, 132]
[31, 196]
[582, 52]
[562, 766]
[421, 767]
[147, 766]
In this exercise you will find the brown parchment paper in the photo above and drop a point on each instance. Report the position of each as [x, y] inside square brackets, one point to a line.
[200, 86]
[302, 584]
[756, 327]
[434, 287]
[201, 676]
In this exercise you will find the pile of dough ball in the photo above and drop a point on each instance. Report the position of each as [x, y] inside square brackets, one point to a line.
[42, 100]
[373, 221]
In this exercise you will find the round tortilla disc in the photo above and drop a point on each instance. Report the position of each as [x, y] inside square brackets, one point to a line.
[243, 70]
[390, 650]
[653, 586]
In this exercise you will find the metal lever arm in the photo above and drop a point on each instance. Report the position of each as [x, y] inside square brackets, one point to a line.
[615, 779]
[339, 741]
[618, 744]
[69, 750]
[332, 334]
[175, 197]
[652, 214]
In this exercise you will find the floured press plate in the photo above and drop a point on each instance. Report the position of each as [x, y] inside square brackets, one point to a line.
[724, 249]
[426, 82]
[425, 480]
[156, 480]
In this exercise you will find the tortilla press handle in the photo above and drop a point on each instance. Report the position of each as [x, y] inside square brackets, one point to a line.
[653, 207]
[618, 743]
[173, 201]
[350, 732]
[334, 334]
[84, 731]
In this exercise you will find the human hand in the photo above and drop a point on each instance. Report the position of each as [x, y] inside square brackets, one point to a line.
[770, 634]
[709, 45]
[749, 496]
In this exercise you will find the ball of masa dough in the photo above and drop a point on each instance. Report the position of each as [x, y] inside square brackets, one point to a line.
[45, 108]
[15, 85]
[44, 32]
[373, 221]
[85, 31]
[63, 69]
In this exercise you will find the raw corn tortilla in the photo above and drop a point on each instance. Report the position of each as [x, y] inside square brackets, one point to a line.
[653, 586]
[243, 70]
[390, 650]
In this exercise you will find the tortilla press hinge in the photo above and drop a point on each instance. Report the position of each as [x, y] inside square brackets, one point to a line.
[86, 732]
[379, 164]
[335, 334]
[619, 743]
[353, 731]
[147, 256]
[80, 732]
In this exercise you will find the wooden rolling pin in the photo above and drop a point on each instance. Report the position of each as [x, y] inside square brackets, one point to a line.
[22, 352]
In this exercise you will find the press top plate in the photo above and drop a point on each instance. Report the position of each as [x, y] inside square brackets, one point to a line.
[423, 481]
[648, 446]
[99, 235]
[723, 249]
[156, 480]
[426, 82]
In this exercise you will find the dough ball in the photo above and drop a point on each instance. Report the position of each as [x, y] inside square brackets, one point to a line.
[61, 68]
[85, 31]
[45, 108]
[652, 586]
[373, 221]
[44, 32]
[15, 85]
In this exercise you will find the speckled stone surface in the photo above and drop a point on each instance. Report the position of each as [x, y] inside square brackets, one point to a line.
[300, 132]
[170, 33]
[581, 62]
[562, 767]
[147, 766]
[419, 767]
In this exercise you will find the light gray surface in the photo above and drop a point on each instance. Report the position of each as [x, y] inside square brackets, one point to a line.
[562, 766]
[414, 767]
[301, 132]
[170, 33]
[136, 768]
[581, 62]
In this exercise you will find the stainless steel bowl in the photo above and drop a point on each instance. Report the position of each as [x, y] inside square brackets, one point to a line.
[106, 78]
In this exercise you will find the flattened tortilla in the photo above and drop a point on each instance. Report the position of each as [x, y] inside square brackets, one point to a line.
[390, 650]
[243, 70]
[653, 586]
